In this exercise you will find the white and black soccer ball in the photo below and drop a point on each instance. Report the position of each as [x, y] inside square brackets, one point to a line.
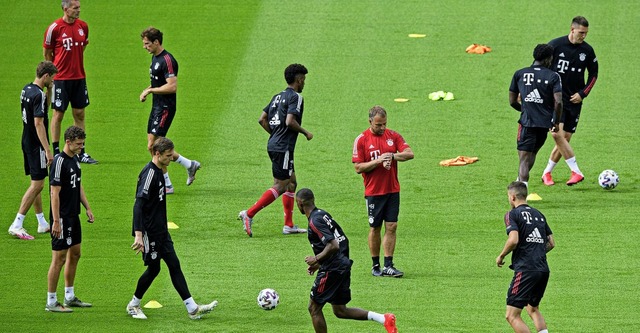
[268, 299]
[608, 179]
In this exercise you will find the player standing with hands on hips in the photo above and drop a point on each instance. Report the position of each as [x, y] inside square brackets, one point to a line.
[152, 236]
[571, 56]
[164, 85]
[67, 194]
[331, 260]
[35, 147]
[64, 43]
[282, 119]
[376, 153]
[530, 238]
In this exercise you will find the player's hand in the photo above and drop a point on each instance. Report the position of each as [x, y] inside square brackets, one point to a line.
[308, 135]
[312, 269]
[49, 157]
[90, 216]
[555, 128]
[56, 229]
[143, 95]
[499, 261]
[575, 98]
[137, 245]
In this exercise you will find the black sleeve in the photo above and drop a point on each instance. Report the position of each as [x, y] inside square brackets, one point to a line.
[138, 223]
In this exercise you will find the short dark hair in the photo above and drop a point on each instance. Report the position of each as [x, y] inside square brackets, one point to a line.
[519, 189]
[542, 52]
[46, 67]
[73, 133]
[161, 145]
[580, 20]
[292, 71]
[305, 196]
[65, 4]
[152, 34]
[377, 111]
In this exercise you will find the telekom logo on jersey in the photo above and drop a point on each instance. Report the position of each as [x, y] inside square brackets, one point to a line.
[375, 154]
[528, 78]
[67, 43]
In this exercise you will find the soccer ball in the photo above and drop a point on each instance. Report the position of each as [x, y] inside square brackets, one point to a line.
[608, 179]
[268, 299]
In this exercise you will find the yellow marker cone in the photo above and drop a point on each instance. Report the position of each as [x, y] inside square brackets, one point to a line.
[172, 225]
[533, 197]
[417, 35]
[153, 305]
[401, 100]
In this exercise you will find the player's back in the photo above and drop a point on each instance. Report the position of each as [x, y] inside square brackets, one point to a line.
[532, 227]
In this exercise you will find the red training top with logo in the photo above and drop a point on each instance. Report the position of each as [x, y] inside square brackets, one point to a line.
[368, 147]
[68, 41]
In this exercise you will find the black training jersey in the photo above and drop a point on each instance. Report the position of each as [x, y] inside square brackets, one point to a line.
[532, 228]
[570, 61]
[536, 85]
[322, 229]
[150, 209]
[163, 66]
[65, 172]
[33, 104]
[283, 139]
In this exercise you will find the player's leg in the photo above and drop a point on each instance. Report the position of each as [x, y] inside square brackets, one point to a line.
[58, 258]
[28, 199]
[562, 142]
[374, 205]
[191, 165]
[515, 320]
[56, 122]
[288, 201]
[281, 176]
[43, 225]
[317, 317]
[538, 319]
[78, 117]
[70, 269]
[527, 160]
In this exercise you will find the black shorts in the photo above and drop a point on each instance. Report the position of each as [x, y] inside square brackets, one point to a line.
[570, 117]
[383, 207]
[70, 236]
[527, 288]
[332, 287]
[156, 247]
[281, 164]
[69, 91]
[531, 139]
[160, 120]
[35, 163]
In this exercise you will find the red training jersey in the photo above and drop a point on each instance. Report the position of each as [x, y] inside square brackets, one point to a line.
[68, 41]
[368, 147]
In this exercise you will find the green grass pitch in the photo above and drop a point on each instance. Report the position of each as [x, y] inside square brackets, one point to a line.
[231, 56]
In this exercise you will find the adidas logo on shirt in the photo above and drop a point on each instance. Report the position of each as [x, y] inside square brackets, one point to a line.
[534, 97]
[535, 237]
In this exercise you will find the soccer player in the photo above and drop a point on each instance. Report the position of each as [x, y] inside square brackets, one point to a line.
[530, 238]
[282, 119]
[164, 84]
[376, 153]
[64, 43]
[152, 237]
[67, 194]
[35, 147]
[573, 57]
[331, 259]
[541, 94]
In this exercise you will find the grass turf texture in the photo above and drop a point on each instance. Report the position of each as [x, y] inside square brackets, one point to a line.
[231, 57]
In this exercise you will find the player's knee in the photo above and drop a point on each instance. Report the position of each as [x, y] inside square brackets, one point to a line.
[291, 187]
[78, 114]
[37, 186]
[390, 227]
[314, 309]
[57, 117]
[340, 312]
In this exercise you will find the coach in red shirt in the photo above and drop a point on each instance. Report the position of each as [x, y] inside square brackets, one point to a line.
[376, 153]
[64, 44]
